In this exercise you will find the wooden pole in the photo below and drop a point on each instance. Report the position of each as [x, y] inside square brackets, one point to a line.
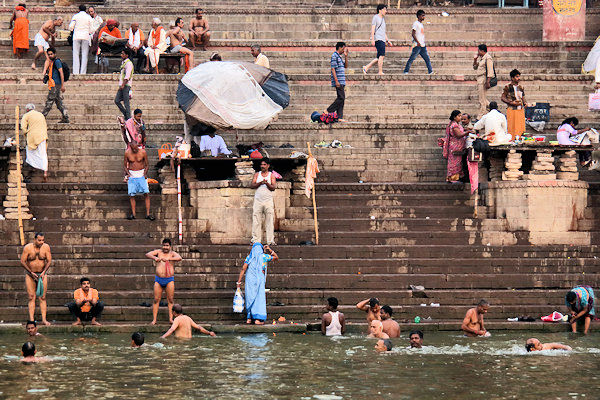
[20, 178]
[180, 220]
[314, 201]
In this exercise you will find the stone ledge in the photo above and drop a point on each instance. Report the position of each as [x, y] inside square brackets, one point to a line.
[356, 187]
[541, 184]
[230, 184]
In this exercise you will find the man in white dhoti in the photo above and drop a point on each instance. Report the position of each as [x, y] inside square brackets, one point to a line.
[33, 125]
[157, 44]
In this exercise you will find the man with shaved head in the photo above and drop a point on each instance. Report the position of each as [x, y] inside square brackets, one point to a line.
[376, 330]
[534, 344]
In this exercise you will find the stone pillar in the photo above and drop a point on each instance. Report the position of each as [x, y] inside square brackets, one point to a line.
[244, 171]
[513, 165]
[543, 166]
[567, 167]
[564, 20]
[11, 201]
[496, 168]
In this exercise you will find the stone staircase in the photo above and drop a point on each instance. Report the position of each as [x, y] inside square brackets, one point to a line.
[401, 226]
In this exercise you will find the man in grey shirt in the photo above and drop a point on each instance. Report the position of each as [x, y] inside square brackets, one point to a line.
[378, 38]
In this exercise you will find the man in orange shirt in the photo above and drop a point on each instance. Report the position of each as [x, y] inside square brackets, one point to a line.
[108, 43]
[86, 305]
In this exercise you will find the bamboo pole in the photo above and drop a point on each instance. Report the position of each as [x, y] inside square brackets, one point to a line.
[314, 201]
[180, 220]
[20, 178]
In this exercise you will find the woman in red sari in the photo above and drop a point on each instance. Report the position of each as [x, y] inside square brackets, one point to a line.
[454, 146]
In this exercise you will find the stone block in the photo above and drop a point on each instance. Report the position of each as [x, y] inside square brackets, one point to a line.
[567, 176]
[539, 177]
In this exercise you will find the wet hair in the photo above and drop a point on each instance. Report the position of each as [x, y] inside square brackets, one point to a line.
[571, 297]
[380, 7]
[420, 12]
[197, 9]
[483, 302]
[178, 20]
[35, 236]
[82, 8]
[84, 279]
[416, 332]
[373, 301]
[51, 49]
[529, 347]
[166, 240]
[333, 302]
[177, 308]
[215, 57]
[267, 160]
[28, 349]
[137, 111]
[453, 114]
[138, 338]
[388, 344]
[570, 120]
[388, 310]
[482, 47]
[339, 45]
[514, 73]
[493, 105]
[30, 323]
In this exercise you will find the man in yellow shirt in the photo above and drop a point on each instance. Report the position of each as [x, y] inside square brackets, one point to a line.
[86, 305]
[259, 57]
[33, 125]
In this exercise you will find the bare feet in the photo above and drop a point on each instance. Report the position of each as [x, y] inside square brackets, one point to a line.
[45, 179]
[94, 322]
[33, 66]
[45, 322]
[248, 321]
[153, 322]
[257, 322]
[78, 322]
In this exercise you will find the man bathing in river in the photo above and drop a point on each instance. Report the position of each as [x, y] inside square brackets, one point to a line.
[383, 345]
[36, 259]
[376, 330]
[371, 307]
[390, 326]
[137, 339]
[473, 323]
[333, 322]
[534, 344]
[182, 325]
[416, 339]
[28, 351]
[32, 330]
[165, 276]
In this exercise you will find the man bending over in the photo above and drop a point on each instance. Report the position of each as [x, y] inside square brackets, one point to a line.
[182, 325]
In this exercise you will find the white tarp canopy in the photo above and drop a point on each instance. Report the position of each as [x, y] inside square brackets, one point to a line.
[591, 62]
[229, 90]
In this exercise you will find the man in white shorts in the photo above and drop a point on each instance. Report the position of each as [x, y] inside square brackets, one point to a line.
[47, 33]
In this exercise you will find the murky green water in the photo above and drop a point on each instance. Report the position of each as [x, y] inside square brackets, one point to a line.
[299, 366]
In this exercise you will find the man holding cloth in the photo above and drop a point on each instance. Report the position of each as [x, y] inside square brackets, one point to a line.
[86, 305]
[33, 125]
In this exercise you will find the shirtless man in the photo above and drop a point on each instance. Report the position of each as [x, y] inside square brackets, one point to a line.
[383, 345]
[32, 330]
[178, 42]
[415, 339]
[371, 307]
[390, 326]
[473, 323]
[135, 165]
[47, 33]
[36, 259]
[28, 351]
[164, 278]
[199, 30]
[182, 325]
[376, 330]
[534, 344]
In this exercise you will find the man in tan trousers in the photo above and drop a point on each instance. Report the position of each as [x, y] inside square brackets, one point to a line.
[265, 183]
[484, 67]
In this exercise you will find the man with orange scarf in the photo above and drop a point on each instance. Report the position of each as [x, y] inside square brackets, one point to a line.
[157, 44]
[20, 33]
[53, 74]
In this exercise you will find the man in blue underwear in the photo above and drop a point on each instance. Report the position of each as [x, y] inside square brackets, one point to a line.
[164, 278]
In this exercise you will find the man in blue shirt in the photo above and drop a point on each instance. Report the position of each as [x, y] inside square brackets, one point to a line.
[56, 85]
[338, 78]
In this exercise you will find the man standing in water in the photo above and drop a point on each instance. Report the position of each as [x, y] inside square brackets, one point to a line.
[416, 339]
[473, 323]
[135, 165]
[390, 326]
[182, 325]
[333, 323]
[164, 278]
[371, 307]
[28, 351]
[36, 259]
[376, 330]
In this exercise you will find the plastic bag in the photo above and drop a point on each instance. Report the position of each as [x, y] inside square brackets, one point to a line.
[238, 301]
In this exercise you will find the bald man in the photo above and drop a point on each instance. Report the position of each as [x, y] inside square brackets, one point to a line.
[376, 330]
[534, 344]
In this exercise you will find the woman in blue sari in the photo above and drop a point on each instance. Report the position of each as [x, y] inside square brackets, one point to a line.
[254, 286]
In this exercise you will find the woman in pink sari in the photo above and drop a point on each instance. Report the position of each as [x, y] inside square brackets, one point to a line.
[454, 146]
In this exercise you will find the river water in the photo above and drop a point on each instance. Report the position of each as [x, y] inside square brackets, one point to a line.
[297, 366]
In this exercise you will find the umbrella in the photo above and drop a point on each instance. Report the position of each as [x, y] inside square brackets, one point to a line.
[232, 94]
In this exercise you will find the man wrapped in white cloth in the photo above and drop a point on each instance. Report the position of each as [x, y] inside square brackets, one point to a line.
[33, 125]
[157, 44]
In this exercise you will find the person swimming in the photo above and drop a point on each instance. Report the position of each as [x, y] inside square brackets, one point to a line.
[182, 325]
[416, 339]
[534, 344]
[28, 351]
[137, 339]
[383, 345]
[376, 330]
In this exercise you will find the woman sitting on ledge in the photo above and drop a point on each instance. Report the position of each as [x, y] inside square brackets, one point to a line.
[566, 135]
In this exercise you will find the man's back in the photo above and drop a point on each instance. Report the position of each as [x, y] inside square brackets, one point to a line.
[391, 327]
[184, 327]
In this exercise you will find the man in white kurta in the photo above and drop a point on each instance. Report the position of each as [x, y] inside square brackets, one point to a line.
[495, 126]
[33, 125]
[215, 144]
[157, 43]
